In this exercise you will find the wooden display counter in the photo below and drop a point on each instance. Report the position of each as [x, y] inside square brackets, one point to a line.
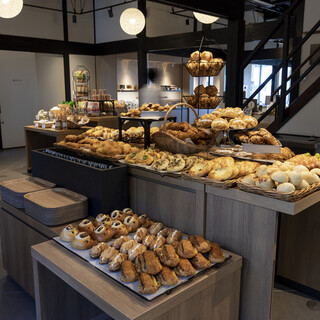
[241, 222]
[38, 138]
[214, 294]
[104, 121]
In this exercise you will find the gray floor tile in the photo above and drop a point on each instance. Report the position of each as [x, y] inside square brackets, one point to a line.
[7, 285]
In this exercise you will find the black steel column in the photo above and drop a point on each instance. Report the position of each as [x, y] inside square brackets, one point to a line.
[235, 49]
[66, 58]
[142, 54]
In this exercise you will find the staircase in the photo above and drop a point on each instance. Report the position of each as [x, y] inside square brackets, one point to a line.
[283, 112]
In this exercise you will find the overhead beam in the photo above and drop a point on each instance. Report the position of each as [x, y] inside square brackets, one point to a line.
[229, 9]
[114, 47]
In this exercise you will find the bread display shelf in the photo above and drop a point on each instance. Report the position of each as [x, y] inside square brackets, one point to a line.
[12, 191]
[197, 72]
[293, 196]
[133, 286]
[220, 184]
[56, 206]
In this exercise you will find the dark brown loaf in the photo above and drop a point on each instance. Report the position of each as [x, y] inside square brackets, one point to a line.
[174, 235]
[186, 249]
[200, 243]
[168, 256]
[167, 277]
[148, 262]
[148, 284]
[128, 272]
[216, 255]
[200, 262]
[184, 268]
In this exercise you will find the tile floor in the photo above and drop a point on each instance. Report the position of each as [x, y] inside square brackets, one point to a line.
[15, 304]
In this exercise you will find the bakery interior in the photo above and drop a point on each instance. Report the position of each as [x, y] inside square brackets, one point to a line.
[200, 201]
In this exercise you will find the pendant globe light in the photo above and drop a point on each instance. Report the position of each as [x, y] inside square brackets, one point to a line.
[205, 18]
[132, 21]
[10, 8]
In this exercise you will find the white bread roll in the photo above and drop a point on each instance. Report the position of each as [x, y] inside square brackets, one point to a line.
[279, 176]
[300, 168]
[262, 170]
[286, 187]
[265, 182]
[295, 178]
[310, 177]
[316, 171]
[250, 179]
[304, 184]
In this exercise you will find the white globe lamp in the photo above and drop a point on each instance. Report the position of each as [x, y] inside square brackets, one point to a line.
[205, 18]
[10, 8]
[132, 21]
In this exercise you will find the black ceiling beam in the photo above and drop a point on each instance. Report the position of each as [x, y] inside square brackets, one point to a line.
[114, 47]
[17, 43]
[229, 9]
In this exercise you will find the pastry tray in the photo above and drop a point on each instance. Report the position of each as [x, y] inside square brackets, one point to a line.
[133, 286]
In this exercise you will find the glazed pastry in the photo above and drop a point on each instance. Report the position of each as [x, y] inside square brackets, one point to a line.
[200, 262]
[158, 242]
[168, 256]
[86, 226]
[140, 234]
[155, 228]
[148, 239]
[107, 254]
[174, 235]
[167, 277]
[200, 243]
[184, 268]
[102, 218]
[164, 232]
[186, 249]
[119, 229]
[127, 245]
[82, 241]
[148, 262]
[133, 222]
[116, 261]
[148, 284]
[128, 272]
[118, 215]
[96, 250]
[117, 243]
[103, 233]
[216, 255]
[135, 250]
[128, 211]
[68, 233]
[145, 221]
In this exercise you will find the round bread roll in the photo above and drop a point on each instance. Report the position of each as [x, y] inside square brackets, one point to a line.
[195, 56]
[295, 178]
[262, 170]
[219, 124]
[316, 171]
[301, 168]
[265, 182]
[279, 176]
[199, 90]
[304, 184]
[211, 91]
[250, 179]
[214, 102]
[286, 187]
[237, 124]
[204, 100]
[204, 65]
[286, 167]
[206, 55]
[310, 177]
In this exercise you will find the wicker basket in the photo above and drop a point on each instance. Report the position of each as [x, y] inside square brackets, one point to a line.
[74, 125]
[294, 196]
[220, 184]
[172, 144]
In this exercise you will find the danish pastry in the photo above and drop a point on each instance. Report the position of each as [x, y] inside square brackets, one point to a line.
[140, 234]
[173, 235]
[116, 261]
[155, 228]
[103, 233]
[148, 262]
[220, 124]
[107, 254]
[119, 229]
[167, 277]
[158, 242]
[164, 232]
[168, 256]
[68, 233]
[102, 218]
[145, 221]
[135, 250]
[200, 243]
[117, 243]
[118, 215]
[128, 211]
[128, 272]
[96, 250]
[82, 241]
[127, 245]
[184, 268]
[133, 222]
[148, 239]
[216, 255]
[186, 249]
[148, 284]
[200, 262]
[237, 124]
[86, 226]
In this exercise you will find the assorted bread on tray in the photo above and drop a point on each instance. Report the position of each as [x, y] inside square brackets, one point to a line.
[145, 107]
[141, 249]
[261, 136]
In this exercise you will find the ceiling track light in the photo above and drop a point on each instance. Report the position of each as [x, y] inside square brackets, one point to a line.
[110, 12]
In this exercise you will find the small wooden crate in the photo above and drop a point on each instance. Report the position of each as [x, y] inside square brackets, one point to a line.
[56, 206]
[12, 191]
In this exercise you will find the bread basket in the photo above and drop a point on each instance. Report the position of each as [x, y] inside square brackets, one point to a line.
[166, 141]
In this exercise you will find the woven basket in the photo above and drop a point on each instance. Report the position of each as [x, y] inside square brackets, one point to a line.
[220, 184]
[74, 125]
[294, 196]
[172, 144]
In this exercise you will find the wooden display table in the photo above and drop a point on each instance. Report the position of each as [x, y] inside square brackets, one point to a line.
[38, 138]
[241, 222]
[104, 121]
[213, 294]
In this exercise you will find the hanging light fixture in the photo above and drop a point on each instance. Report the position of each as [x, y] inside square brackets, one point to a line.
[10, 8]
[132, 21]
[205, 18]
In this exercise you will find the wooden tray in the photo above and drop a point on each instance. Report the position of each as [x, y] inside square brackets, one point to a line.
[220, 184]
[12, 191]
[56, 206]
[293, 196]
